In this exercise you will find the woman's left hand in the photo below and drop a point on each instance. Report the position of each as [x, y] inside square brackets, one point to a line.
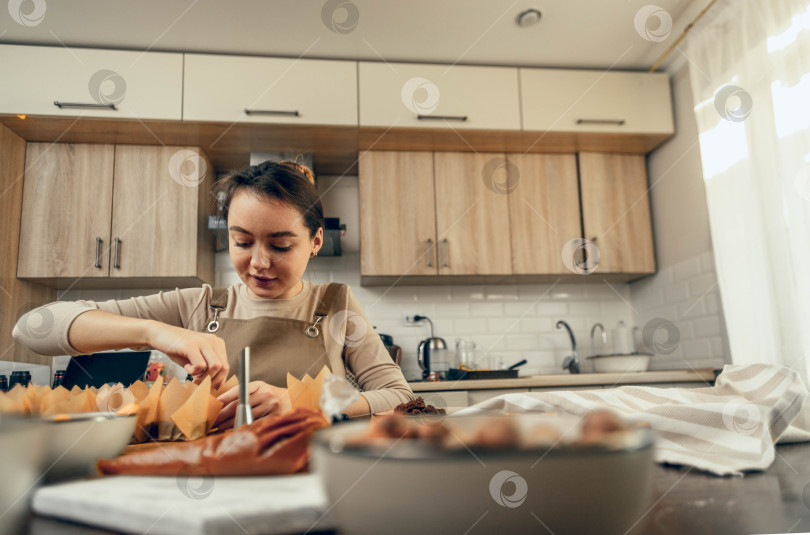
[265, 400]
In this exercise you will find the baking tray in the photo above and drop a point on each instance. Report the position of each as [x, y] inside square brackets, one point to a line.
[455, 374]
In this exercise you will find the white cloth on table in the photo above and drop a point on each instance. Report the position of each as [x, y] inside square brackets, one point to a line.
[724, 429]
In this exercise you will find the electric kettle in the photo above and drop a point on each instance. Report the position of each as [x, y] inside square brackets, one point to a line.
[432, 353]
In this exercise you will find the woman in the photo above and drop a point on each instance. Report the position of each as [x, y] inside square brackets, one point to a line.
[275, 225]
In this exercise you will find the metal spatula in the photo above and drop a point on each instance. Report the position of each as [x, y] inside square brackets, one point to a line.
[244, 415]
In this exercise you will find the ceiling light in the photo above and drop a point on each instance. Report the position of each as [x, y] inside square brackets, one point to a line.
[527, 18]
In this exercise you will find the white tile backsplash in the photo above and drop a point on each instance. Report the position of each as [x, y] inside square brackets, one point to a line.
[686, 296]
[518, 321]
[510, 321]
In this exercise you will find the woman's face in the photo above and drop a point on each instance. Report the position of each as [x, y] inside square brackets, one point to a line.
[269, 244]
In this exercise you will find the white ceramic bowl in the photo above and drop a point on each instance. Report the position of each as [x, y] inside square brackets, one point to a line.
[74, 445]
[411, 487]
[22, 454]
[634, 362]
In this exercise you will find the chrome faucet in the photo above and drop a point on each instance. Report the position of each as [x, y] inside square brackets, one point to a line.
[571, 362]
[604, 336]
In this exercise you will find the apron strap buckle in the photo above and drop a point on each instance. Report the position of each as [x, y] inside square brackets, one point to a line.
[213, 325]
[219, 301]
[312, 331]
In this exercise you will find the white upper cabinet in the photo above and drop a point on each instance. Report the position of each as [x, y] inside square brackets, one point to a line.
[39, 80]
[269, 90]
[438, 96]
[596, 101]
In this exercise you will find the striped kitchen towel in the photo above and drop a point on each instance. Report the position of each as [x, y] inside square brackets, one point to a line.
[724, 429]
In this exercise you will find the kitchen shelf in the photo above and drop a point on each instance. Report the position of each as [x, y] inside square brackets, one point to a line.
[335, 148]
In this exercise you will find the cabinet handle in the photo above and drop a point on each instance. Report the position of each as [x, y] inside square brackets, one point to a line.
[290, 113]
[617, 122]
[442, 117]
[117, 254]
[85, 106]
[587, 259]
[98, 253]
[430, 252]
[446, 253]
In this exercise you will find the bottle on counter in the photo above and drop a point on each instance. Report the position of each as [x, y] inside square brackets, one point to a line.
[19, 377]
[58, 377]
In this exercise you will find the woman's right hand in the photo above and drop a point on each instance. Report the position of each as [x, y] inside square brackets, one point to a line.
[200, 354]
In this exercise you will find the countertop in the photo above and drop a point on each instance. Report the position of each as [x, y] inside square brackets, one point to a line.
[683, 501]
[700, 375]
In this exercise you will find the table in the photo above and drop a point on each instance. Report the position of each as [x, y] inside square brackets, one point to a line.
[776, 501]
[683, 501]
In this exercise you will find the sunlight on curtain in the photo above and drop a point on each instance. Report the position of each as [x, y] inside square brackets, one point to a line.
[749, 62]
[728, 144]
[787, 100]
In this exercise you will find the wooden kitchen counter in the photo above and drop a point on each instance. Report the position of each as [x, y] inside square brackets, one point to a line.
[683, 501]
[700, 375]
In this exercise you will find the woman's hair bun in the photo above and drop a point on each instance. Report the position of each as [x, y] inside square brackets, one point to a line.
[286, 181]
[303, 169]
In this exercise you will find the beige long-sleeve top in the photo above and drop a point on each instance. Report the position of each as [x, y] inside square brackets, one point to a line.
[379, 377]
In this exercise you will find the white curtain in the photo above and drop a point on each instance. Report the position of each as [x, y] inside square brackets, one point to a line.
[749, 61]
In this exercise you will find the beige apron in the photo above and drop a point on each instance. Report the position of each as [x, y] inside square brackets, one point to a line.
[277, 345]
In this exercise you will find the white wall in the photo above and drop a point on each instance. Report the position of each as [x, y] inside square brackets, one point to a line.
[684, 291]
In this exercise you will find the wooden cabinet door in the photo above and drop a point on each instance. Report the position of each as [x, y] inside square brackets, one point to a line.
[141, 85]
[67, 197]
[438, 96]
[616, 211]
[565, 100]
[397, 213]
[274, 90]
[543, 211]
[159, 212]
[472, 213]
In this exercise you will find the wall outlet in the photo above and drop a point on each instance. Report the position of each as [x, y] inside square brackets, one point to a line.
[407, 320]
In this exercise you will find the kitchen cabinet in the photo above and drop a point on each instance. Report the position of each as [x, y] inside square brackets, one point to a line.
[544, 212]
[616, 212]
[446, 399]
[428, 213]
[564, 100]
[478, 390]
[200, 99]
[66, 211]
[397, 213]
[161, 205]
[503, 214]
[269, 90]
[472, 213]
[410, 95]
[17, 296]
[478, 396]
[39, 80]
[96, 214]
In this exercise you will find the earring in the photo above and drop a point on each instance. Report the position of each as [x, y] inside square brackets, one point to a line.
[313, 254]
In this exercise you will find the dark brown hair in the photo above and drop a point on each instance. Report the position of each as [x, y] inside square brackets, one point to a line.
[286, 181]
